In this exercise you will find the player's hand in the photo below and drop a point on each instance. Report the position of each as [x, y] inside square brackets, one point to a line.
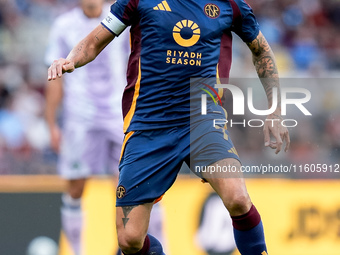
[55, 135]
[274, 128]
[59, 67]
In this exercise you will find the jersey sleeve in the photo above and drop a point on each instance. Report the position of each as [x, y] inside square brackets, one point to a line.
[246, 27]
[123, 13]
[56, 47]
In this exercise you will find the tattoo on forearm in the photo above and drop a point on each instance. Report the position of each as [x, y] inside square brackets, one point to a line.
[259, 45]
[267, 72]
[126, 211]
[278, 116]
[268, 85]
[80, 53]
[80, 48]
[265, 65]
[97, 35]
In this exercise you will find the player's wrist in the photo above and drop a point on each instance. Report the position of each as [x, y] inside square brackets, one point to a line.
[276, 114]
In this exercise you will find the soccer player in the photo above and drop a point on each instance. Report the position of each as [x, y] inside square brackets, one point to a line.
[91, 137]
[172, 41]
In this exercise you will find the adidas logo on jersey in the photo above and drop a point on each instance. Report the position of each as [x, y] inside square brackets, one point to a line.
[163, 6]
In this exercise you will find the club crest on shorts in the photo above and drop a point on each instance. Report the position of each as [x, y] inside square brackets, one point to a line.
[121, 191]
[212, 10]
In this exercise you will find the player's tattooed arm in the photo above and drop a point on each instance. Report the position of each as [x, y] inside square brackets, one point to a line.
[79, 53]
[84, 52]
[88, 48]
[265, 65]
[264, 62]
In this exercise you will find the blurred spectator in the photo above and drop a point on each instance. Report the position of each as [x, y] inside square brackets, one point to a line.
[11, 127]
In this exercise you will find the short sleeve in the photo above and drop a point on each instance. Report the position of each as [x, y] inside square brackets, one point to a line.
[123, 13]
[247, 27]
[56, 47]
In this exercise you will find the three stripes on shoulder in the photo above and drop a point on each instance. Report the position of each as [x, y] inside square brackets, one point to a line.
[163, 6]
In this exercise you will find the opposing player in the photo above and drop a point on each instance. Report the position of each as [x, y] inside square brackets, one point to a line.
[91, 98]
[171, 42]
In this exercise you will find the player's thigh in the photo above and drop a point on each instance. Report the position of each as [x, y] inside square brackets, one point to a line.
[115, 147]
[132, 224]
[208, 145]
[230, 187]
[72, 164]
[150, 163]
[97, 152]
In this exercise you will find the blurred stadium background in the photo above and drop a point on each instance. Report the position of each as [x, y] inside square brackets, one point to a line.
[301, 211]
